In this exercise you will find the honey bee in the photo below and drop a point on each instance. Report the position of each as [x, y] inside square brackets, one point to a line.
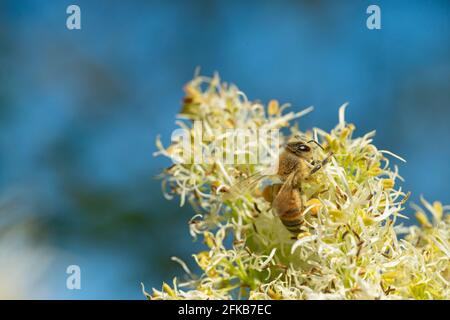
[295, 165]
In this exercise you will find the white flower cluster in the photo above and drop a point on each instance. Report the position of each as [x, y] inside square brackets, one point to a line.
[350, 246]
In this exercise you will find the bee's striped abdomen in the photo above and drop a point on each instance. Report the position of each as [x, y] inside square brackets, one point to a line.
[292, 220]
[288, 206]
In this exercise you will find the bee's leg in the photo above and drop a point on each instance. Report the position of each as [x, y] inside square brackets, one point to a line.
[316, 168]
[319, 192]
[319, 166]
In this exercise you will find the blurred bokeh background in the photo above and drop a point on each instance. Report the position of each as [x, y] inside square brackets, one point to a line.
[80, 110]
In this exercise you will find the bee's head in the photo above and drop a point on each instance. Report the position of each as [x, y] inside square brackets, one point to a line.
[301, 149]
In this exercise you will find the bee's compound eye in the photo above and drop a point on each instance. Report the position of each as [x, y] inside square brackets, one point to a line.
[298, 147]
[304, 147]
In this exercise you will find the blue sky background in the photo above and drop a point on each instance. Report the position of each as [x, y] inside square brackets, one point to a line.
[80, 110]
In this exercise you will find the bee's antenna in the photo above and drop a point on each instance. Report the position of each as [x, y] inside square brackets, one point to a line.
[316, 143]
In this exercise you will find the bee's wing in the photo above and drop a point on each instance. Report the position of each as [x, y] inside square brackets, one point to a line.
[289, 182]
[244, 186]
[288, 185]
